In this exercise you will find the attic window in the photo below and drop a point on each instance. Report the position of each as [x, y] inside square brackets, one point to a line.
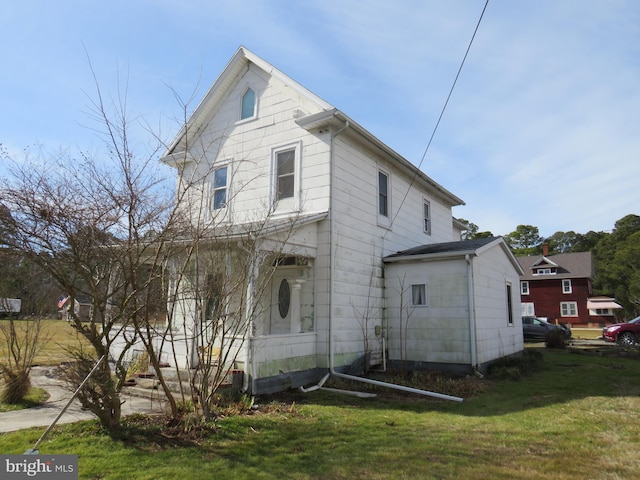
[248, 109]
[543, 271]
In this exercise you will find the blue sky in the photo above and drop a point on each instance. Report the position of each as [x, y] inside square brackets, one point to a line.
[543, 127]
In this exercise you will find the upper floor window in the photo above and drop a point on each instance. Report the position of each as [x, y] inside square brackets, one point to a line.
[426, 216]
[286, 178]
[219, 199]
[248, 107]
[383, 194]
[566, 286]
[524, 287]
[285, 174]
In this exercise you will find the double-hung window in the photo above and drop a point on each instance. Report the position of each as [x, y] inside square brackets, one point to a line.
[286, 178]
[220, 188]
[285, 173]
[524, 287]
[566, 286]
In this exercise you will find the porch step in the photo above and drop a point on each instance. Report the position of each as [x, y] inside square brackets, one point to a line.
[148, 386]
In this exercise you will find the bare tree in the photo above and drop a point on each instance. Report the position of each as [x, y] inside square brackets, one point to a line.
[22, 340]
[165, 271]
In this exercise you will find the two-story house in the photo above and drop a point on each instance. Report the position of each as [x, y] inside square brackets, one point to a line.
[559, 288]
[371, 265]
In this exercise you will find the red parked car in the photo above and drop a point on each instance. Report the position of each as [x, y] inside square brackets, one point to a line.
[623, 333]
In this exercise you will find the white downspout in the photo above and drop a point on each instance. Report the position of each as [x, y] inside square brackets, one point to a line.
[332, 242]
[473, 348]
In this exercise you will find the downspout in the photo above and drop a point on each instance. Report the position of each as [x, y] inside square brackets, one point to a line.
[472, 316]
[332, 243]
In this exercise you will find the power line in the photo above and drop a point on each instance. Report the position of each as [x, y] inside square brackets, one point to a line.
[444, 107]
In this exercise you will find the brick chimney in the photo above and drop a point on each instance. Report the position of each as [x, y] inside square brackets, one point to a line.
[545, 249]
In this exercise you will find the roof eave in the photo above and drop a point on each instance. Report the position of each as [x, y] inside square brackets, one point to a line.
[337, 119]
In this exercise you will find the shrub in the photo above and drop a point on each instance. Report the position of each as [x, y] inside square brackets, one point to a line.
[555, 339]
[515, 367]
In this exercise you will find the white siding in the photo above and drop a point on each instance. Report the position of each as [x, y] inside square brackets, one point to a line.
[361, 243]
[495, 337]
[249, 146]
[438, 332]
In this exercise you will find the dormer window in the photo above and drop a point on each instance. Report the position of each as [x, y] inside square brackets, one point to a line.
[544, 271]
[248, 107]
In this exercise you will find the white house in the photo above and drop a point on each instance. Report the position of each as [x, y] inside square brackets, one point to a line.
[362, 223]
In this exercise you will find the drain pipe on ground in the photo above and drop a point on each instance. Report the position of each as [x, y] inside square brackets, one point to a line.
[332, 243]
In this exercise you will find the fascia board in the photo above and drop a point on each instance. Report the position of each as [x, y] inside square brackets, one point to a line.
[328, 118]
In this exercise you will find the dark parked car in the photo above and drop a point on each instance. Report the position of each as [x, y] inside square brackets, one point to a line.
[534, 328]
[623, 333]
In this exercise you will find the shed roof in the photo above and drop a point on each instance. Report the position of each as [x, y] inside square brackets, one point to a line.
[453, 249]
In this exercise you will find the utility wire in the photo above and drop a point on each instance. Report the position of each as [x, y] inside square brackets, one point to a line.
[444, 107]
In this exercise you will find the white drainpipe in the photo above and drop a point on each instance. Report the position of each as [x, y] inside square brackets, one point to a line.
[332, 370]
[473, 347]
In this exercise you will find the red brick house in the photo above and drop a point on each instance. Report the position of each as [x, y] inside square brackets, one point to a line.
[558, 287]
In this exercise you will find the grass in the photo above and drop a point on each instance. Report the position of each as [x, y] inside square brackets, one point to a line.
[36, 396]
[57, 337]
[574, 417]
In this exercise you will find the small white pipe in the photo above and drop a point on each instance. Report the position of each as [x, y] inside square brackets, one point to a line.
[350, 392]
[315, 387]
[397, 387]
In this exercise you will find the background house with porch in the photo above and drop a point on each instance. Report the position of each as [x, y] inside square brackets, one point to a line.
[265, 151]
[559, 288]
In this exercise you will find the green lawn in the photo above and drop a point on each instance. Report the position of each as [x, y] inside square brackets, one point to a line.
[574, 418]
[56, 336]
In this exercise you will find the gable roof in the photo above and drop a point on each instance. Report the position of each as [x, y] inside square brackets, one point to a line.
[453, 249]
[328, 115]
[569, 265]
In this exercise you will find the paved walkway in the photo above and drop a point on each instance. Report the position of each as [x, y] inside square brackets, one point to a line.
[59, 395]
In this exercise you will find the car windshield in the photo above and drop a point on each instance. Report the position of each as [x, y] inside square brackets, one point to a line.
[635, 320]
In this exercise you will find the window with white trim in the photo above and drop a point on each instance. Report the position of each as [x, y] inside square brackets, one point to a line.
[568, 309]
[419, 295]
[248, 104]
[286, 177]
[528, 309]
[566, 286]
[426, 216]
[285, 173]
[219, 188]
[524, 287]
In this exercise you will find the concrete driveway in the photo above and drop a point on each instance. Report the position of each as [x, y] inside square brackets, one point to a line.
[59, 395]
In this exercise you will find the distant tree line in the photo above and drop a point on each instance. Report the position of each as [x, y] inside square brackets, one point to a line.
[616, 255]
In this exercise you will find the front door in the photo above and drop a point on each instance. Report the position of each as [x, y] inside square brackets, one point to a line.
[281, 289]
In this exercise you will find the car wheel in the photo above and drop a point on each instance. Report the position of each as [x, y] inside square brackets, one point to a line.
[627, 339]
